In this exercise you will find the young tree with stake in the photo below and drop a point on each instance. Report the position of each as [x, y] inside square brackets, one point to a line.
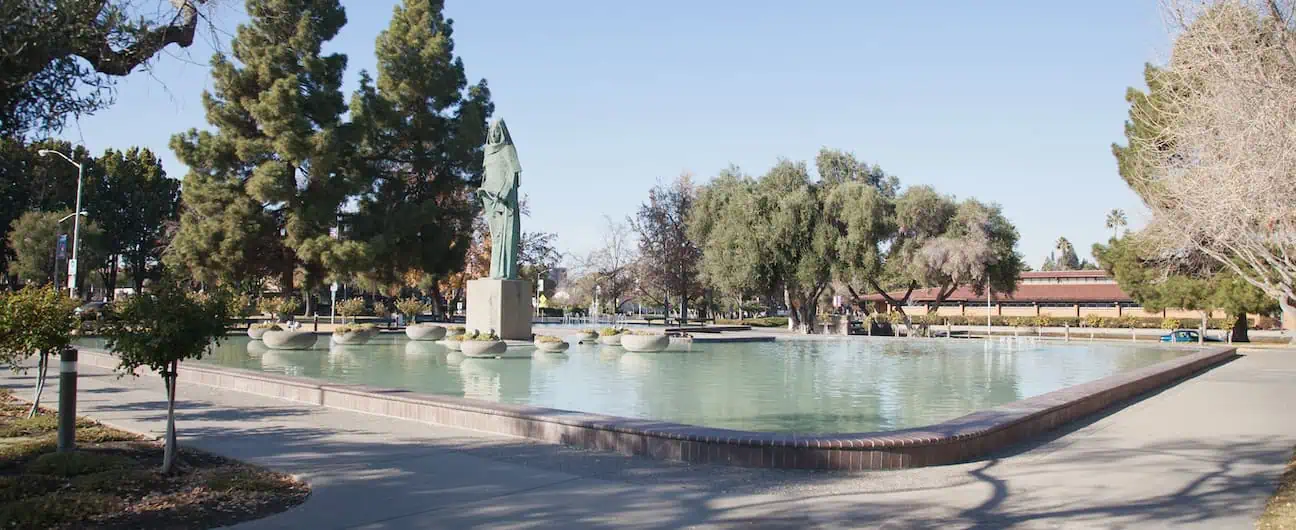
[35, 321]
[158, 329]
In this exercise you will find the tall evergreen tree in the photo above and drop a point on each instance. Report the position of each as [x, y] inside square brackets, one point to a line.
[423, 132]
[269, 182]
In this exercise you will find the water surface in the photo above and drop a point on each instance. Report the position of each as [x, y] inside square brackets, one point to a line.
[845, 385]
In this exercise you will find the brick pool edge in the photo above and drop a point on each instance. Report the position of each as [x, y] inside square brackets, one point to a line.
[957, 440]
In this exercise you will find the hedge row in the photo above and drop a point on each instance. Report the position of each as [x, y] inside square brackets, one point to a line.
[758, 322]
[1091, 321]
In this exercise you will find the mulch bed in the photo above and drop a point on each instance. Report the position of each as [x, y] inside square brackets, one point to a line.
[112, 480]
[1280, 513]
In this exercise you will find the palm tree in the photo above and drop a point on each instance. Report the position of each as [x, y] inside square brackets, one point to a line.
[1116, 220]
[1067, 259]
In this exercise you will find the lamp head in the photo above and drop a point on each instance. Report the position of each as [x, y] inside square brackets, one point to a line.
[43, 152]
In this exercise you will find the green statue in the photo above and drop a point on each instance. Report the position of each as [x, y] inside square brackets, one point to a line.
[499, 193]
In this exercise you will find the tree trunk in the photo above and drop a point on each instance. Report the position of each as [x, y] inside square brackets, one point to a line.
[1205, 323]
[437, 310]
[1240, 329]
[169, 450]
[42, 366]
[110, 283]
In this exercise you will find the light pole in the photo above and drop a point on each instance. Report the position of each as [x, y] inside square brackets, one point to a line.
[76, 222]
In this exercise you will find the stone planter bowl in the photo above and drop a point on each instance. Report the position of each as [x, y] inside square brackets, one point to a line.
[289, 340]
[610, 340]
[552, 347]
[353, 338]
[453, 345]
[645, 343]
[255, 333]
[425, 332]
[483, 348]
[588, 337]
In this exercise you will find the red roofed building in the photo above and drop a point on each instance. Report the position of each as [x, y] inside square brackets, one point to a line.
[1054, 293]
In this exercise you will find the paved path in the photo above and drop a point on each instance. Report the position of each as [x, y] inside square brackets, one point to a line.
[1203, 454]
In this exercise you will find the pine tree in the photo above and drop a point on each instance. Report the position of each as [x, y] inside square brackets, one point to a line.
[423, 130]
[266, 186]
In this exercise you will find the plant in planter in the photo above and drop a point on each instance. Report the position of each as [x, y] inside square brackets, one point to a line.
[278, 308]
[454, 337]
[477, 344]
[351, 334]
[351, 307]
[644, 341]
[255, 331]
[550, 344]
[588, 334]
[452, 341]
[412, 307]
[610, 336]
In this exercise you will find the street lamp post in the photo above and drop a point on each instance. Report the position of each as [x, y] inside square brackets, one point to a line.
[68, 357]
[76, 222]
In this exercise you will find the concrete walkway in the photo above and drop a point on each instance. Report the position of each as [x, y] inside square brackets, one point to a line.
[1204, 454]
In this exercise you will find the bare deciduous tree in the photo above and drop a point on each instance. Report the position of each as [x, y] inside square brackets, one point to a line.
[1218, 170]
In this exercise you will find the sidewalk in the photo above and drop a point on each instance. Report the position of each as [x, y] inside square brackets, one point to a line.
[1204, 454]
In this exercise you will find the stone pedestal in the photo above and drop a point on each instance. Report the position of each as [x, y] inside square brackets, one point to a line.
[501, 305]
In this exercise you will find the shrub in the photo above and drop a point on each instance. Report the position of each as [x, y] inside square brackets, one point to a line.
[350, 307]
[1042, 321]
[547, 338]
[279, 308]
[457, 337]
[608, 332]
[75, 463]
[639, 332]
[411, 307]
[1267, 323]
[1093, 321]
[457, 330]
[354, 328]
[1170, 323]
[589, 331]
[766, 322]
[268, 326]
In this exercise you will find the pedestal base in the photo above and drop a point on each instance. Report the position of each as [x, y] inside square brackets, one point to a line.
[501, 305]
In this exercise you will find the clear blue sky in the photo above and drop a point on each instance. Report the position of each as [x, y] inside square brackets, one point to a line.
[1015, 102]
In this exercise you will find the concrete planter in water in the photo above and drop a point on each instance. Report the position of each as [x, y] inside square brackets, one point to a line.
[255, 332]
[452, 344]
[610, 340]
[351, 338]
[551, 347]
[645, 343]
[483, 348]
[587, 336]
[425, 332]
[289, 340]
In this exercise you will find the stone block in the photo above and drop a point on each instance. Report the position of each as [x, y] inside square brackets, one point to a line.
[501, 305]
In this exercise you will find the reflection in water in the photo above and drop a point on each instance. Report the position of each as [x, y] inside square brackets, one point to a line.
[424, 347]
[849, 385]
[548, 359]
[256, 348]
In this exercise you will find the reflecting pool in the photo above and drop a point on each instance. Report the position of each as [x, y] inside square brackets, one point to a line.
[843, 385]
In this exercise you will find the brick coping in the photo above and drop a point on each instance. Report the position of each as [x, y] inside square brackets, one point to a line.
[955, 440]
